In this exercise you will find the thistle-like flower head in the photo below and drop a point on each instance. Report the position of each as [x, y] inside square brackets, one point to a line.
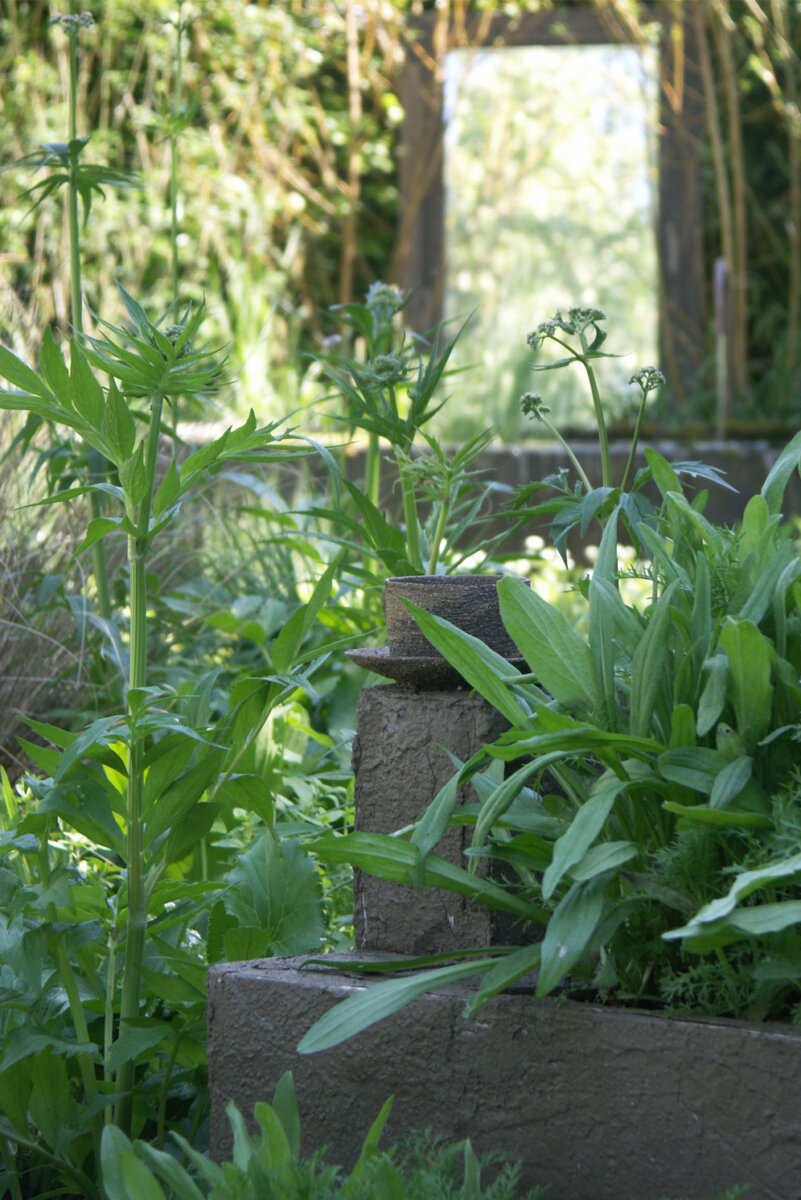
[384, 297]
[71, 23]
[648, 379]
[388, 369]
[532, 406]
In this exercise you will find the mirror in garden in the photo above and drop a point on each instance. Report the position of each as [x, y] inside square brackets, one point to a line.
[550, 192]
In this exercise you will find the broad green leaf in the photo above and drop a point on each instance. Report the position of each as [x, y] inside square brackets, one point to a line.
[119, 430]
[602, 624]
[170, 1171]
[505, 972]
[53, 367]
[779, 475]
[274, 1152]
[759, 600]
[87, 394]
[134, 478]
[709, 532]
[718, 816]
[569, 930]
[749, 653]
[97, 529]
[504, 795]
[168, 490]
[694, 767]
[665, 477]
[556, 654]
[20, 375]
[758, 920]
[584, 829]
[185, 835]
[49, 1100]
[139, 1038]
[479, 666]
[603, 857]
[649, 665]
[682, 727]
[744, 885]
[114, 1146]
[373, 1004]
[395, 859]
[730, 781]
[275, 886]
[285, 1105]
[713, 697]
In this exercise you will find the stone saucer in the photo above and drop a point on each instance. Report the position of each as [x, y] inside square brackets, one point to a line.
[419, 672]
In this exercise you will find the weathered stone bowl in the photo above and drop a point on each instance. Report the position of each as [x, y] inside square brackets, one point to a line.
[468, 601]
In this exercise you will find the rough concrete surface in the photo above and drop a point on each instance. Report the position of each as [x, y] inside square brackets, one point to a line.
[601, 1104]
[400, 765]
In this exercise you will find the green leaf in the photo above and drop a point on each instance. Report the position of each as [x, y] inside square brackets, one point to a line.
[604, 857]
[53, 368]
[181, 1184]
[694, 767]
[373, 1004]
[274, 1152]
[779, 475]
[478, 665]
[168, 490]
[713, 697]
[134, 477]
[22, 376]
[505, 972]
[118, 428]
[395, 859]
[87, 394]
[718, 816]
[275, 886]
[569, 931]
[584, 829]
[97, 529]
[49, 1101]
[555, 653]
[602, 623]
[649, 665]
[730, 781]
[138, 1038]
[749, 655]
[665, 477]
[285, 1104]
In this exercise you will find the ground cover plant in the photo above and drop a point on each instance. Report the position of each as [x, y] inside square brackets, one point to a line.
[268, 1165]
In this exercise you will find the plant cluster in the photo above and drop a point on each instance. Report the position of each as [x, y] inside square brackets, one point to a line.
[391, 391]
[268, 1166]
[641, 812]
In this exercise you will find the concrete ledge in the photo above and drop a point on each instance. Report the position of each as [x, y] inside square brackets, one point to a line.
[601, 1104]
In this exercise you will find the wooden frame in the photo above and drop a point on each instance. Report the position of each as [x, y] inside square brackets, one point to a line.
[420, 255]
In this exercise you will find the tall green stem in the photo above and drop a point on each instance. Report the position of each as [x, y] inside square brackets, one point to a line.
[372, 469]
[176, 108]
[439, 533]
[138, 546]
[603, 437]
[96, 461]
[634, 443]
[413, 550]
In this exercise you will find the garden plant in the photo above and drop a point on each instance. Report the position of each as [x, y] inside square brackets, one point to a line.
[642, 810]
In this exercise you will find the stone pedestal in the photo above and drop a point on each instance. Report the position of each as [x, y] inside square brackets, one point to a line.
[400, 763]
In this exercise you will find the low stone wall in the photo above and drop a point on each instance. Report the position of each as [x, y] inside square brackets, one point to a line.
[600, 1104]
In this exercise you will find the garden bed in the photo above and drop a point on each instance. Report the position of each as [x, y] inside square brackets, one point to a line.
[599, 1103]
